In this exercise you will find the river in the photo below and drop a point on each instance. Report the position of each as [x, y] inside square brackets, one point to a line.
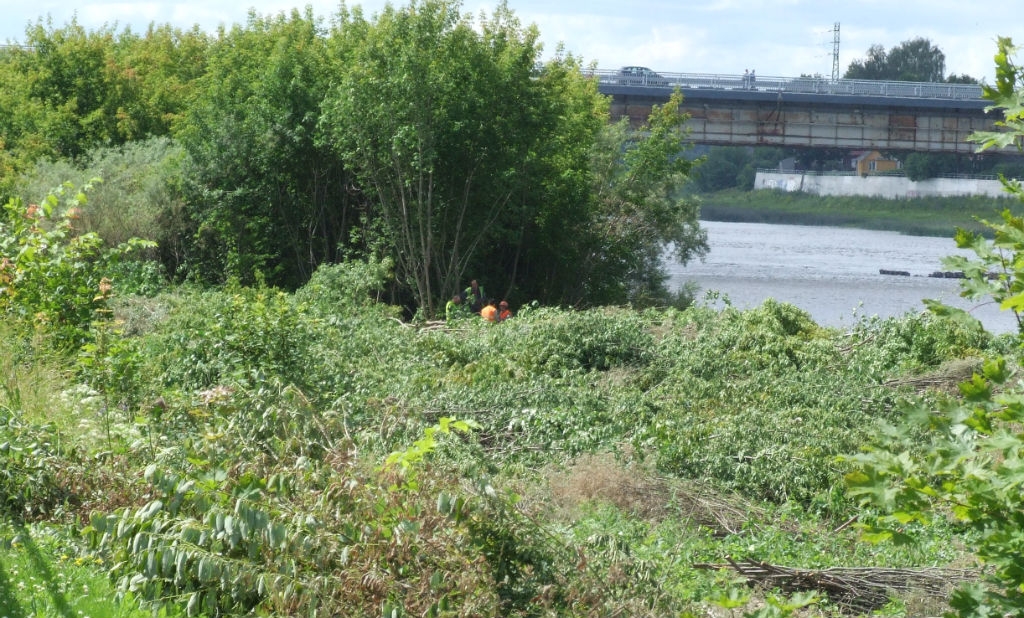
[832, 273]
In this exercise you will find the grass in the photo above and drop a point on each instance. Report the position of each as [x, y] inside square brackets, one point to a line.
[917, 217]
[42, 576]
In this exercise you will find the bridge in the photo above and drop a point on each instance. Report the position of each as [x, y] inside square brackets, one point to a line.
[809, 112]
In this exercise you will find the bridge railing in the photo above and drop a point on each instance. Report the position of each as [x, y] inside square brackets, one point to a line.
[803, 85]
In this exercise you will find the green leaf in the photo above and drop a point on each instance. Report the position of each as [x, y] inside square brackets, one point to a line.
[876, 536]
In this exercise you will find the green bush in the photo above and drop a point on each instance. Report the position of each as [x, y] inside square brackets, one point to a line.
[29, 485]
[594, 340]
[52, 275]
[137, 198]
[232, 335]
[346, 288]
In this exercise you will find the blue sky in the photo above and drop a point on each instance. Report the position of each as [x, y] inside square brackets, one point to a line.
[776, 38]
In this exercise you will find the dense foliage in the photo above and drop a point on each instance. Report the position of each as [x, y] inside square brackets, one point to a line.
[916, 60]
[288, 442]
[281, 453]
[429, 137]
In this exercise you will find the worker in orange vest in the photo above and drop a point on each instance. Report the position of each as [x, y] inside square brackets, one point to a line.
[503, 312]
[489, 312]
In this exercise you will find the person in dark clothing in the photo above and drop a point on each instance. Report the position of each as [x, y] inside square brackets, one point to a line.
[474, 296]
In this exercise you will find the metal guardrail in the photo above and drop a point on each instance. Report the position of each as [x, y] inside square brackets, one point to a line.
[803, 85]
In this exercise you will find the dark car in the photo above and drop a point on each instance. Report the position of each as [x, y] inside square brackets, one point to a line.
[639, 76]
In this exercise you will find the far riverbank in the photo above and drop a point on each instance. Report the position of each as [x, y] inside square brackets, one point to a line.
[926, 216]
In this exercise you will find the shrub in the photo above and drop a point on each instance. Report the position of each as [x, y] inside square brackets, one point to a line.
[593, 340]
[137, 198]
[231, 335]
[52, 275]
[29, 485]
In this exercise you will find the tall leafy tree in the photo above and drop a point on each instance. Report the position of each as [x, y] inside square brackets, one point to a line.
[17, 118]
[72, 83]
[641, 213]
[71, 90]
[436, 115]
[475, 159]
[721, 169]
[916, 60]
[157, 73]
[553, 233]
[266, 199]
[875, 65]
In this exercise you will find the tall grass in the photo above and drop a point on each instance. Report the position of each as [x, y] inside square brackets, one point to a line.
[42, 576]
[30, 379]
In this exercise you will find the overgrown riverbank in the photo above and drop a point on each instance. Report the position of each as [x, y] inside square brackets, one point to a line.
[245, 450]
[919, 217]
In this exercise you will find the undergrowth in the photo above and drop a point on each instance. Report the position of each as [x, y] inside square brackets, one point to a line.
[246, 451]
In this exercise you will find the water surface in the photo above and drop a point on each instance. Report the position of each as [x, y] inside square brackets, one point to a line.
[830, 272]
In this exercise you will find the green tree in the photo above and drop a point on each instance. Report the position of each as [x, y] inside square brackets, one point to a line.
[918, 166]
[21, 142]
[157, 73]
[640, 211]
[962, 78]
[874, 66]
[75, 90]
[721, 168]
[916, 60]
[552, 232]
[922, 165]
[265, 197]
[438, 117]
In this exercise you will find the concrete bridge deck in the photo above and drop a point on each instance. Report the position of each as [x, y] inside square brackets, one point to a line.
[811, 112]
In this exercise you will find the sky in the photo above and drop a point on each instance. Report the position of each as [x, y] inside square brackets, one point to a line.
[784, 38]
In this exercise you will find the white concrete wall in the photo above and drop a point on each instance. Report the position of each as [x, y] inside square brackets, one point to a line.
[892, 187]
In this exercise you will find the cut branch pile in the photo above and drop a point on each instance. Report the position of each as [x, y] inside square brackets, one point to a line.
[860, 590]
[945, 377]
[720, 513]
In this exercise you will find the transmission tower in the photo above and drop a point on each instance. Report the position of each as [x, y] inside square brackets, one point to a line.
[835, 52]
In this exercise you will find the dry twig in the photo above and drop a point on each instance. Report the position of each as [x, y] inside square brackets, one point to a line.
[857, 589]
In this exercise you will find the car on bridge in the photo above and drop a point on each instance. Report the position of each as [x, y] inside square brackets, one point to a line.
[639, 76]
